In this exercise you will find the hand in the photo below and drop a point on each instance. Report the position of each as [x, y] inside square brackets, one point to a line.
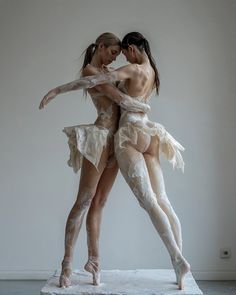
[48, 97]
[146, 108]
[130, 104]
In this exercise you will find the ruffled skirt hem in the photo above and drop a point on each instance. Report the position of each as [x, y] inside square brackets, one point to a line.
[85, 141]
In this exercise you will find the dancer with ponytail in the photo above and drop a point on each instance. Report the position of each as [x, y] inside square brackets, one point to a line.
[92, 150]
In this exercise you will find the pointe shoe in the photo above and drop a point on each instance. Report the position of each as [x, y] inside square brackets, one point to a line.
[64, 280]
[181, 268]
[92, 266]
[176, 277]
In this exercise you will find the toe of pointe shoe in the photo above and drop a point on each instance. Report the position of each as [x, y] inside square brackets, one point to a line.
[64, 281]
[92, 266]
[181, 284]
[96, 280]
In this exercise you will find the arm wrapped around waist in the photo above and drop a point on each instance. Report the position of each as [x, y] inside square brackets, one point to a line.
[127, 102]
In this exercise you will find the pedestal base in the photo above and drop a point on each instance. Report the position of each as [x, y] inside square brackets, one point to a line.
[123, 282]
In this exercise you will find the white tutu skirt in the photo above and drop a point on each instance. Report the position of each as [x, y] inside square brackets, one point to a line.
[168, 145]
[85, 141]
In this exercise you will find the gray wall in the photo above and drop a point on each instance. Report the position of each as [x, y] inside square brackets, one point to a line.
[194, 43]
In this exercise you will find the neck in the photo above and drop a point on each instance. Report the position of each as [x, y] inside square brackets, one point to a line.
[141, 57]
[96, 61]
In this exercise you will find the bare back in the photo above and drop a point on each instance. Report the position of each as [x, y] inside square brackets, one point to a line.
[140, 84]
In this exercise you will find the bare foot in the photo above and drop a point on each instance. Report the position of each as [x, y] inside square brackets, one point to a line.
[92, 266]
[181, 267]
[64, 280]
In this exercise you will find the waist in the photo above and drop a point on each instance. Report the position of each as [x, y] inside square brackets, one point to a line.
[133, 118]
[109, 124]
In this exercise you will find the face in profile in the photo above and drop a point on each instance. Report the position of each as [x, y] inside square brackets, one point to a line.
[110, 53]
[129, 54]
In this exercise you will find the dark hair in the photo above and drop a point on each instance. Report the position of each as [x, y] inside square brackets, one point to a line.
[137, 39]
[108, 39]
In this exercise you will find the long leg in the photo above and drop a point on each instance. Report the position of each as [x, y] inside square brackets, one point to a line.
[158, 185]
[133, 167]
[94, 218]
[87, 188]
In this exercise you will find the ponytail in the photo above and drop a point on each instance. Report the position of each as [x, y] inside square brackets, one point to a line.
[108, 39]
[89, 52]
[153, 63]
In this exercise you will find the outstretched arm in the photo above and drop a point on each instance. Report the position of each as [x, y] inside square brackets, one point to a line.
[125, 101]
[82, 83]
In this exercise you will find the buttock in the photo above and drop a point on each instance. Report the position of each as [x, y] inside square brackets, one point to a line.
[150, 138]
[153, 148]
[142, 142]
[130, 135]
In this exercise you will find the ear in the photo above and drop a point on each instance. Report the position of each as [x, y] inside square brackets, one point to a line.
[100, 45]
[131, 49]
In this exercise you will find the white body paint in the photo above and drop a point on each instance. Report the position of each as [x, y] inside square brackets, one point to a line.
[138, 163]
[133, 147]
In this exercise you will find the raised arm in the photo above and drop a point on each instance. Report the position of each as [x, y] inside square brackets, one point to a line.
[86, 82]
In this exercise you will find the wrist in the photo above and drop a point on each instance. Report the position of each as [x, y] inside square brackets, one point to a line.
[57, 90]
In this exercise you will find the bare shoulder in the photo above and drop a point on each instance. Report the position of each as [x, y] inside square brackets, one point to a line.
[127, 71]
[89, 70]
[130, 68]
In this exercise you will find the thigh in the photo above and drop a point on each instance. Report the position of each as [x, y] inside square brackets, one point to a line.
[153, 147]
[154, 169]
[129, 153]
[90, 176]
[107, 180]
[155, 174]
[133, 167]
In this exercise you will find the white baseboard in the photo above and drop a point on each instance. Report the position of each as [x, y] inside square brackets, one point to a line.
[45, 274]
[214, 275]
[26, 275]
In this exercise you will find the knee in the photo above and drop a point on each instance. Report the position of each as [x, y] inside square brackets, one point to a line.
[148, 204]
[163, 201]
[100, 199]
[146, 201]
[85, 198]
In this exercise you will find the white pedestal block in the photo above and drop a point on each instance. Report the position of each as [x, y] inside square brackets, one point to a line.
[123, 282]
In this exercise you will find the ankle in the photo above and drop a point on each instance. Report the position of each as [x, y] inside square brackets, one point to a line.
[66, 266]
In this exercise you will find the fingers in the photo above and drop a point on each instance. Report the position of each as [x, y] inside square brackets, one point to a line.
[47, 98]
[42, 103]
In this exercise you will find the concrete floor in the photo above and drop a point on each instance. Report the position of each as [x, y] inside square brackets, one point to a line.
[34, 287]
[217, 287]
